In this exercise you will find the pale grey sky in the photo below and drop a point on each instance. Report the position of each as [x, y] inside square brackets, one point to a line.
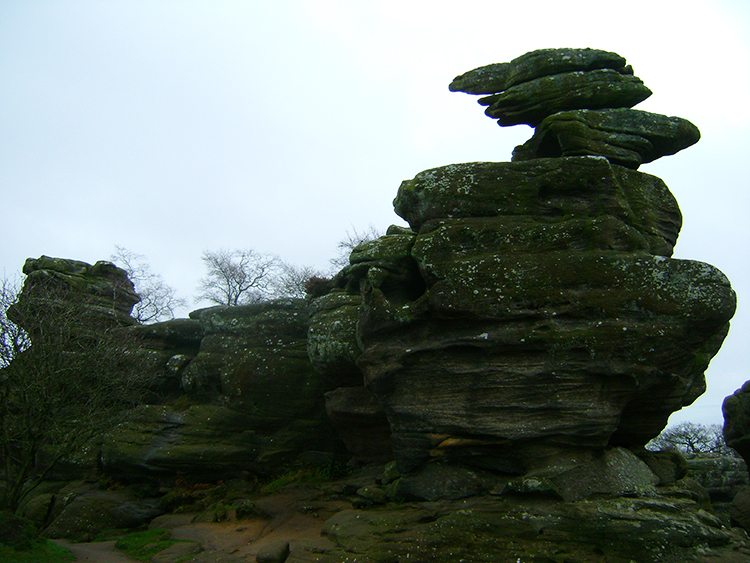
[170, 127]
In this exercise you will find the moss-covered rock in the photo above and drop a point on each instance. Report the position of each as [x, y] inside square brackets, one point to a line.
[545, 190]
[332, 337]
[103, 288]
[206, 442]
[529, 527]
[623, 136]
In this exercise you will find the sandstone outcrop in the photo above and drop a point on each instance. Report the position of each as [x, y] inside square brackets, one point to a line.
[532, 316]
[103, 289]
[254, 401]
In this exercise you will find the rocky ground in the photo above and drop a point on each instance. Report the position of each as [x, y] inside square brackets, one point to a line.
[336, 522]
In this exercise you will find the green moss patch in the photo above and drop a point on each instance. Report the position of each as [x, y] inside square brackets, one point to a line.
[144, 545]
[41, 551]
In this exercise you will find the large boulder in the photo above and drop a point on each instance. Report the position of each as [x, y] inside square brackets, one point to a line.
[531, 527]
[498, 77]
[90, 512]
[551, 316]
[612, 208]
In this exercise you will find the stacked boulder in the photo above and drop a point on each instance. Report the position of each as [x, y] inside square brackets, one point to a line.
[532, 321]
[579, 101]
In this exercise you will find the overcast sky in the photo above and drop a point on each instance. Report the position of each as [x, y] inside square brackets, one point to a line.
[174, 127]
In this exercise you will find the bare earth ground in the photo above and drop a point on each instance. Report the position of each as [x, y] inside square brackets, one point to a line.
[233, 541]
[98, 552]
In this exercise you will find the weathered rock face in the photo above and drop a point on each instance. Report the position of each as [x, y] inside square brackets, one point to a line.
[624, 136]
[361, 422]
[205, 442]
[253, 361]
[530, 528]
[532, 311]
[332, 338]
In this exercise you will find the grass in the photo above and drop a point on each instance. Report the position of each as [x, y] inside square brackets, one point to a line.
[144, 545]
[311, 475]
[41, 551]
[19, 543]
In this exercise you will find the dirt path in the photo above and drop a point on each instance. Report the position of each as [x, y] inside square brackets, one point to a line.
[293, 518]
[96, 552]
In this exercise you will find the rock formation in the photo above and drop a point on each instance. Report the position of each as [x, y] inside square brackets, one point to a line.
[533, 318]
[519, 343]
[579, 101]
[252, 400]
[103, 289]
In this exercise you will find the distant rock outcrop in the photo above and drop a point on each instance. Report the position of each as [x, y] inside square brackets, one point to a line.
[103, 289]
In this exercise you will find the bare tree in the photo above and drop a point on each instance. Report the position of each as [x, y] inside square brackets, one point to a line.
[292, 280]
[238, 277]
[13, 339]
[158, 299]
[68, 372]
[350, 241]
[692, 438]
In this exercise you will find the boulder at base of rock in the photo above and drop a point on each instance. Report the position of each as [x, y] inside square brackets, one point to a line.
[91, 512]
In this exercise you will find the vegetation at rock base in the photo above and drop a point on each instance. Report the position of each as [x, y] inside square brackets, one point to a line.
[144, 545]
[19, 543]
[67, 371]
